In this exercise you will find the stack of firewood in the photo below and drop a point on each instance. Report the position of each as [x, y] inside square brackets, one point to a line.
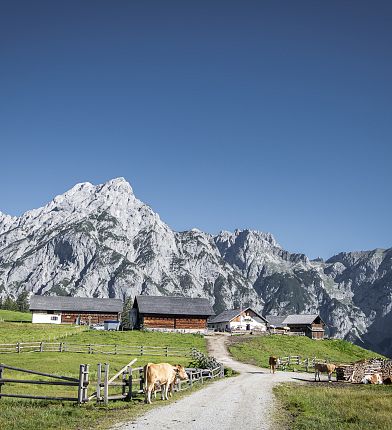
[355, 372]
[344, 371]
[387, 372]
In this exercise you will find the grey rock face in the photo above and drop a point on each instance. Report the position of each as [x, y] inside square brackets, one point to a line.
[101, 241]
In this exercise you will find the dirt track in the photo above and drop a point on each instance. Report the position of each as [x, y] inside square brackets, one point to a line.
[245, 401]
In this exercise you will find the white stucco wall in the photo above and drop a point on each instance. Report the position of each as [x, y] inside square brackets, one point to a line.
[245, 321]
[44, 318]
[234, 325]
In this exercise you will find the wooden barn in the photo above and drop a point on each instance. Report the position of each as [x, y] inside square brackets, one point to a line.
[311, 325]
[238, 319]
[74, 310]
[166, 313]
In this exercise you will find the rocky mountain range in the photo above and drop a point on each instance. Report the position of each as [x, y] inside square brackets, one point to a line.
[101, 241]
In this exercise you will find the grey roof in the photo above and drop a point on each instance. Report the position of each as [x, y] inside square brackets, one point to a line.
[61, 303]
[281, 321]
[169, 305]
[229, 314]
[300, 319]
[277, 321]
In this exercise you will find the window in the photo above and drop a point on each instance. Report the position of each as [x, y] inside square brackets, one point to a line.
[54, 318]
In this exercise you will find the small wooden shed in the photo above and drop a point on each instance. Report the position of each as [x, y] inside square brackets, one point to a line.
[170, 313]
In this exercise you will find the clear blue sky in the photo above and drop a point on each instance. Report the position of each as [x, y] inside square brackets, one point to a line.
[271, 115]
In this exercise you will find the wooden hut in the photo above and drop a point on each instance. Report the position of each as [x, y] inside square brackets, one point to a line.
[168, 313]
[311, 325]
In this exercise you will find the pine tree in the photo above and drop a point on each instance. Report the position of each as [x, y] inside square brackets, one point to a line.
[22, 302]
[10, 304]
[125, 313]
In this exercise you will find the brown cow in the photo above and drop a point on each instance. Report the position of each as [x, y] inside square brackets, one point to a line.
[273, 363]
[324, 367]
[165, 375]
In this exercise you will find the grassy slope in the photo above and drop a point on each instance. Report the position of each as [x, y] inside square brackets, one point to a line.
[141, 338]
[258, 349]
[14, 316]
[336, 407]
[19, 414]
[24, 332]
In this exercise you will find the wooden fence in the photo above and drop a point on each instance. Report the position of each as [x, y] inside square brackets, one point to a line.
[131, 381]
[81, 383]
[299, 362]
[138, 350]
[128, 382]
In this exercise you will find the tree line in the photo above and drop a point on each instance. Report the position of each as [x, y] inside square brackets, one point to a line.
[21, 303]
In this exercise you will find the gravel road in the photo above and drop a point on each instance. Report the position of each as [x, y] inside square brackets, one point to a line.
[245, 401]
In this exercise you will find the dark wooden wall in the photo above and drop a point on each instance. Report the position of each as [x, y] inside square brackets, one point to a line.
[174, 322]
[71, 317]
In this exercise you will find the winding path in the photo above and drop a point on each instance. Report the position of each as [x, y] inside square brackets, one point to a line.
[245, 401]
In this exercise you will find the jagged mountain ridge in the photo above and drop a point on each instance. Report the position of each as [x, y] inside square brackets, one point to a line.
[101, 241]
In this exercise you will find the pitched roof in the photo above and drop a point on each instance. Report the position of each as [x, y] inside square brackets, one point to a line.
[225, 316]
[61, 303]
[300, 319]
[277, 321]
[281, 321]
[170, 305]
[230, 314]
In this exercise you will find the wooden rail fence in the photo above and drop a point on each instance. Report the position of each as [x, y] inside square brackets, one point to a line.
[300, 362]
[165, 351]
[81, 383]
[128, 382]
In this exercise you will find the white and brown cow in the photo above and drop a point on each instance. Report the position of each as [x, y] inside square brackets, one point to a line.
[375, 378]
[273, 363]
[324, 368]
[165, 375]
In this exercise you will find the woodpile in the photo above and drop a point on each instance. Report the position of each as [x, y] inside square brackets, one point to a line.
[387, 372]
[356, 372]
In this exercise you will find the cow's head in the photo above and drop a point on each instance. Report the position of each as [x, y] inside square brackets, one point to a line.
[180, 370]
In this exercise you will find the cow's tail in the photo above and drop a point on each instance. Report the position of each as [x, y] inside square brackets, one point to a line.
[145, 371]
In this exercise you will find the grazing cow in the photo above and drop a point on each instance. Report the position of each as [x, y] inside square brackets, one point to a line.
[273, 363]
[164, 375]
[372, 379]
[324, 367]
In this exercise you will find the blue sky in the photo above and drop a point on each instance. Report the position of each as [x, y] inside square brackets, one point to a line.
[271, 115]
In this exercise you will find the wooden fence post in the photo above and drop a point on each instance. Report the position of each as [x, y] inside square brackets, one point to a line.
[222, 371]
[141, 377]
[99, 381]
[167, 351]
[191, 378]
[86, 382]
[129, 397]
[80, 386]
[141, 350]
[41, 347]
[106, 385]
[18, 347]
[1, 377]
[307, 364]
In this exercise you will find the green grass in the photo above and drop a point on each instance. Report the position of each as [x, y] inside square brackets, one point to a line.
[137, 337]
[334, 407]
[24, 332]
[17, 414]
[14, 316]
[258, 349]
